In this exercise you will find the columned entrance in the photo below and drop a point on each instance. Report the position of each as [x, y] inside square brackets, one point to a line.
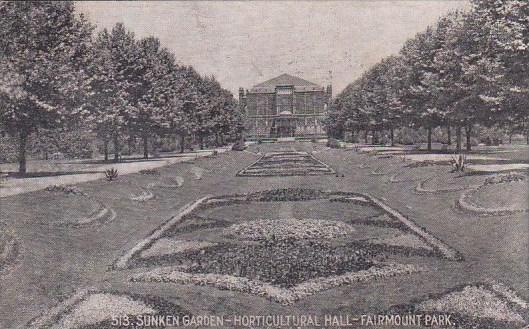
[284, 125]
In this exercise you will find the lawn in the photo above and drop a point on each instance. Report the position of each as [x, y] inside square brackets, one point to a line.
[351, 242]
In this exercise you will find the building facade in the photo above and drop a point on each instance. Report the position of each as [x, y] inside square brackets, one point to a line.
[285, 106]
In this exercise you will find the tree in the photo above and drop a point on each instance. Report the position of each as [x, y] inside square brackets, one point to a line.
[113, 70]
[43, 53]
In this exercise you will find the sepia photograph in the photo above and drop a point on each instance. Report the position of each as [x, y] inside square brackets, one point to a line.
[264, 164]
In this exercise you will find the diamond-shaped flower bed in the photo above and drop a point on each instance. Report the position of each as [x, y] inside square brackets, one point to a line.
[286, 254]
[286, 164]
[476, 306]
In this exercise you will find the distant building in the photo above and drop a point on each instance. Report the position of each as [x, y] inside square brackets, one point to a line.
[285, 106]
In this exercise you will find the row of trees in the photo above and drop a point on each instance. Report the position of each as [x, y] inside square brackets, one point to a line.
[470, 68]
[55, 72]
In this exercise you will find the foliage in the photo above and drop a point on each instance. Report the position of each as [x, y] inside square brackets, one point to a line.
[57, 73]
[333, 143]
[44, 49]
[111, 174]
[469, 68]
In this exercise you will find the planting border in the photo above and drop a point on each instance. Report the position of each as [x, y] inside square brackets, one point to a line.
[285, 296]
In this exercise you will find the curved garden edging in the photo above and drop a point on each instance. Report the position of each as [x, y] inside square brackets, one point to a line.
[102, 214]
[465, 204]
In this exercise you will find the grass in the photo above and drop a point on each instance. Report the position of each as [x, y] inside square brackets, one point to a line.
[63, 259]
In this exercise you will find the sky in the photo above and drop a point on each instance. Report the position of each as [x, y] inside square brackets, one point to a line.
[245, 43]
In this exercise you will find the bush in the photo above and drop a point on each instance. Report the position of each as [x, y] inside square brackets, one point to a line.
[333, 143]
[406, 136]
[238, 146]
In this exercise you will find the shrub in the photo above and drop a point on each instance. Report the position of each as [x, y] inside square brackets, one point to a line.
[238, 146]
[111, 174]
[333, 143]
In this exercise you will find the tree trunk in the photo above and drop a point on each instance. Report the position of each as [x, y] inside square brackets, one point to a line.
[130, 143]
[145, 146]
[105, 148]
[365, 136]
[116, 147]
[468, 130]
[201, 141]
[448, 130]
[182, 143]
[458, 138]
[429, 130]
[374, 138]
[23, 139]
[392, 136]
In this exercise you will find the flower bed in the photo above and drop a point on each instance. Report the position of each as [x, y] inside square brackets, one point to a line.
[287, 194]
[289, 228]
[286, 164]
[66, 189]
[476, 306]
[442, 183]
[281, 257]
[96, 310]
[284, 296]
[283, 263]
[499, 195]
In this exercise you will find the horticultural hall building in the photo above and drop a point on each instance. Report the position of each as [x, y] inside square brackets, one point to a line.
[285, 106]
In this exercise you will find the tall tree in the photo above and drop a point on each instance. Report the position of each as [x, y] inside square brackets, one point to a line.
[43, 55]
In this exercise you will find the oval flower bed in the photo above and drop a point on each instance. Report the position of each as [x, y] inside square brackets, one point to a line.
[449, 182]
[290, 228]
[500, 194]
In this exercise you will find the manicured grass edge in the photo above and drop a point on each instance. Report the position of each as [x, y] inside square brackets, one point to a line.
[122, 262]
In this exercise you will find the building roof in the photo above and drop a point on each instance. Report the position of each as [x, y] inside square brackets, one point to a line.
[286, 80]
